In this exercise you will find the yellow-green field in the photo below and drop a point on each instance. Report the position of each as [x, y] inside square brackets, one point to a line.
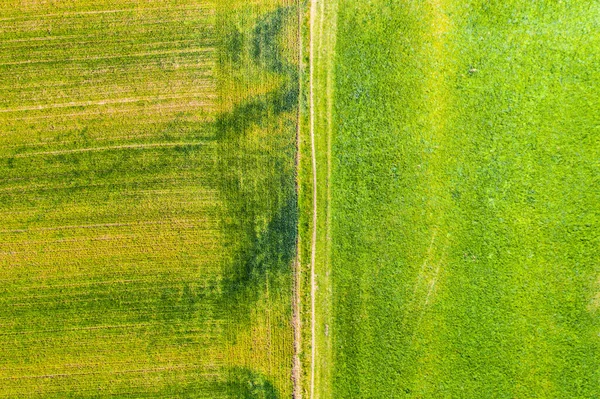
[141, 224]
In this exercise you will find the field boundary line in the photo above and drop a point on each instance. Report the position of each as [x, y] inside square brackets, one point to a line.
[297, 276]
[74, 104]
[108, 148]
[28, 17]
[118, 372]
[111, 57]
[313, 245]
[178, 222]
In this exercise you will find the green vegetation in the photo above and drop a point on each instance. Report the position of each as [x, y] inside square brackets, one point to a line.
[256, 129]
[147, 199]
[464, 218]
[247, 385]
[157, 199]
[110, 256]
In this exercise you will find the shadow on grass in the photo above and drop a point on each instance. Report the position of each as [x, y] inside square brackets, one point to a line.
[245, 384]
[256, 169]
[259, 110]
[271, 250]
[266, 48]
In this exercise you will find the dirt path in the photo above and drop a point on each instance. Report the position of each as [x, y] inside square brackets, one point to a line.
[313, 155]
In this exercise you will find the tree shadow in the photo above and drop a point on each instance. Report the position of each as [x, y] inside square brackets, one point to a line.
[259, 110]
[256, 168]
[245, 384]
[266, 48]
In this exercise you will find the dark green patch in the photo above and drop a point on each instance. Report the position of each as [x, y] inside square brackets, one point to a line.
[245, 384]
[266, 40]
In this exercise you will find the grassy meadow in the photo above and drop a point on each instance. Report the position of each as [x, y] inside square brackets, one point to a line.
[158, 234]
[457, 165]
[147, 202]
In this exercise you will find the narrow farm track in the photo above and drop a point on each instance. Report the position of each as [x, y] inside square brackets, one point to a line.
[313, 156]
[322, 46]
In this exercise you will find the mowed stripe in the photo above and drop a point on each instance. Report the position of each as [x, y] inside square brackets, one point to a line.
[110, 148]
[201, 50]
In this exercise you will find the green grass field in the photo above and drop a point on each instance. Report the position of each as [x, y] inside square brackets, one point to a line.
[162, 235]
[147, 198]
[462, 202]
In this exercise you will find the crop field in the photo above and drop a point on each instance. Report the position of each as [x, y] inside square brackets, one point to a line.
[457, 164]
[265, 199]
[147, 198]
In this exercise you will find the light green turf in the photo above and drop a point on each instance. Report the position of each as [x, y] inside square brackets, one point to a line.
[464, 213]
